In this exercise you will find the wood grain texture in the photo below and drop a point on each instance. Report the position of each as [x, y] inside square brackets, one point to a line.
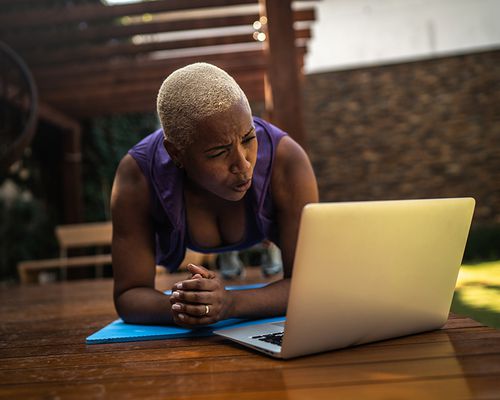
[43, 355]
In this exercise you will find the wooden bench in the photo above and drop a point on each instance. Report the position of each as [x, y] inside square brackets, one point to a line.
[97, 235]
[77, 236]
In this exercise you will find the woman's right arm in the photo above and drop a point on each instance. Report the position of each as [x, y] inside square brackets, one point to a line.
[133, 250]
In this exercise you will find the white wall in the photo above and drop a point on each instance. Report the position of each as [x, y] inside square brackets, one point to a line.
[351, 33]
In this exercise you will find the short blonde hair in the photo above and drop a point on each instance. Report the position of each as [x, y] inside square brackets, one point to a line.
[191, 94]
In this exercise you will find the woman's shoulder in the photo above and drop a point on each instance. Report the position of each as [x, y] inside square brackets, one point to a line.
[129, 176]
[290, 156]
[271, 131]
[293, 175]
[146, 146]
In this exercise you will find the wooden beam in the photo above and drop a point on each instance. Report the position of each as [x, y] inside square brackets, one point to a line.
[117, 95]
[284, 100]
[57, 118]
[106, 51]
[73, 37]
[131, 69]
[98, 12]
[153, 77]
[109, 50]
[73, 85]
[88, 92]
[252, 83]
[71, 163]
[134, 102]
[72, 176]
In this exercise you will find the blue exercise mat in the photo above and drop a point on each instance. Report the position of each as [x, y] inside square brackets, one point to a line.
[119, 331]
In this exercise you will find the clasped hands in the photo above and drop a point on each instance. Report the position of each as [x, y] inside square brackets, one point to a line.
[200, 300]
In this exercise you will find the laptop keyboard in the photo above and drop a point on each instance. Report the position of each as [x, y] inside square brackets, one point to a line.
[274, 338]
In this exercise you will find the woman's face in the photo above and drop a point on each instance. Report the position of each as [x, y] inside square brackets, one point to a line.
[222, 157]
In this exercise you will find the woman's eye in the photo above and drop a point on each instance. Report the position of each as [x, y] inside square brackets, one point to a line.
[248, 139]
[215, 155]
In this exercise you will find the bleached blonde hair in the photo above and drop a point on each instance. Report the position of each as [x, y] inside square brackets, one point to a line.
[191, 94]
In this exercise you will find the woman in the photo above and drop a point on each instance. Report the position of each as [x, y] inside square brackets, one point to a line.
[213, 179]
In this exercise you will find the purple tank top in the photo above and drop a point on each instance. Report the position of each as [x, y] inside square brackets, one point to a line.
[167, 206]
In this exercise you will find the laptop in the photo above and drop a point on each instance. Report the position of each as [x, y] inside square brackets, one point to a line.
[367, 271]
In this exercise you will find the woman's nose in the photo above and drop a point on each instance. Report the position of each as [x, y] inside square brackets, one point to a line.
[240, 163]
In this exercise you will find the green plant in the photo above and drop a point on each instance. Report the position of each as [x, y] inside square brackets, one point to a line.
[483, 243]
[105, 142]
[26, 232]
[477, 294]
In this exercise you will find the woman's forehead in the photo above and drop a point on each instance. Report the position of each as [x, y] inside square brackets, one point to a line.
[222, 137]
[233, 123]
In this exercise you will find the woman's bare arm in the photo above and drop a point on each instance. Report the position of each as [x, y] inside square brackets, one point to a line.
[134, 267]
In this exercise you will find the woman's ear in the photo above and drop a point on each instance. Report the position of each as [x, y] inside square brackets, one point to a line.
[174, 153]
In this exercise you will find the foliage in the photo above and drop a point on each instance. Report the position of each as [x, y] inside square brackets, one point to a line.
[483, 243]
[26, 232]
[477, 294]
[105, 142]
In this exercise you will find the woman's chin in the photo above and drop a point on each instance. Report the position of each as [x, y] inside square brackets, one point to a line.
[234, 195]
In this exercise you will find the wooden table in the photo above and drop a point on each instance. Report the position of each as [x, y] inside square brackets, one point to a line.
[43, 355]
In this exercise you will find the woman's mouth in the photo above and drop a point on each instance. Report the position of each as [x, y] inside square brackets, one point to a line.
[243, 186]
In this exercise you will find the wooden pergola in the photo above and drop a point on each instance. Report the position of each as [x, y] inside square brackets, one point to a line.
[90, 59]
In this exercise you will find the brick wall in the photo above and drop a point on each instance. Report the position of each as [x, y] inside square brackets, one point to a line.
[413, 130]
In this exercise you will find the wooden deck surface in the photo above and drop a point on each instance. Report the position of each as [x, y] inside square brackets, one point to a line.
[43, 355]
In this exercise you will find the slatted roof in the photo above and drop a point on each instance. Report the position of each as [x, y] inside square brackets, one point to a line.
[90, 59]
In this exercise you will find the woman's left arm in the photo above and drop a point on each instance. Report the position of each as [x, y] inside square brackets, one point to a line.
[293, 185]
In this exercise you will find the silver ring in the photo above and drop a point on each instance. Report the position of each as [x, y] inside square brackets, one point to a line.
[207, 309]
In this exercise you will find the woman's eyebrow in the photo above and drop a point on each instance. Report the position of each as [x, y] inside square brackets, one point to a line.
[221, 147]
[252, 128]
[226, 146]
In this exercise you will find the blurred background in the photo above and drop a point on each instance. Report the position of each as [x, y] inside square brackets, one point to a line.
[397, 100]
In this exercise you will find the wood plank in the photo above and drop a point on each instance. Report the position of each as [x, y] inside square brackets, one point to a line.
[71, 166]
[57, 118]
[150, 77]
[106, 51]
[284, 101]
[62, 341]
[77, 92]
[97, 12]
[236, 60]
[107, 32]
[140, 101]
[93, 52]
[184, 353]
[218, 374]
[52, 263]
[84, 235]
[57, 342]
[483, 387]
[245, 64]
[73, 100]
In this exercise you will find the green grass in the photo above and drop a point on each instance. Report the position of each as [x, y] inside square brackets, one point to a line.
[477, 294]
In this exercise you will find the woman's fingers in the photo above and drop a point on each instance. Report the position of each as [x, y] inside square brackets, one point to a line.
[198, 302]
[194, 297]
[197, 284]
[205, 273]
[198, 310]
[187, 321]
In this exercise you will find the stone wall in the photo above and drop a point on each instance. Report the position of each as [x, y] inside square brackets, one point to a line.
[414, 130]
